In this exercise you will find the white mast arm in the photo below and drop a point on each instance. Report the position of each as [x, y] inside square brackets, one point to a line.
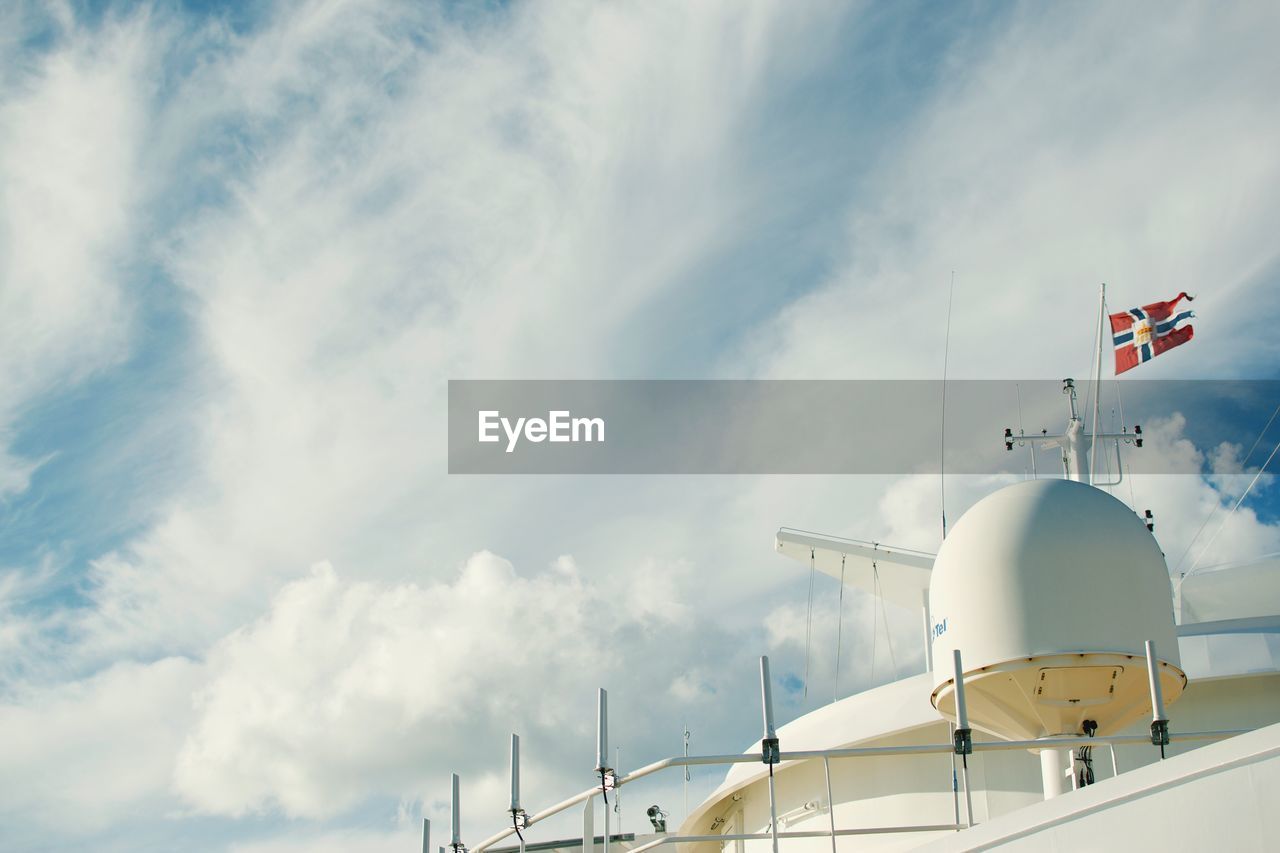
[903, 574]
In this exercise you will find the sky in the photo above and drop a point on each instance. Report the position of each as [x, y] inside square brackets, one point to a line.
[243, 248]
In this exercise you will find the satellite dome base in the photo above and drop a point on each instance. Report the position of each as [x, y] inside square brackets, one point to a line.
[1061, 692]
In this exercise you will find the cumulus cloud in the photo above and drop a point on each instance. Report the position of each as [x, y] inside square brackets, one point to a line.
[89, 755]
[344, 682]
[346, 689]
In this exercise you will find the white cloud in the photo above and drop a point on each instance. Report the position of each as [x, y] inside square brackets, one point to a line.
[345, 683]
[72, 127]
[1074, 147]
[83, 756]
[372, 199]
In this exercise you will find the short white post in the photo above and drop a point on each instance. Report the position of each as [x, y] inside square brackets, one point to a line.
[456, 814]
[963, 735]
[589, 826]
[602, 756]
[769, 752]
[517, 813]
[1159, 720]
[831, 803]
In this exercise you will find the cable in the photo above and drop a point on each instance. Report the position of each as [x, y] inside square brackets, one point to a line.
[808, 622]
[1217, 505]
[835, 691]
[1214, 538]
[888, 635]
[942, 438]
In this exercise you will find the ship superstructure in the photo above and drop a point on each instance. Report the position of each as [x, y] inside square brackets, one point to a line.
[1072, 696]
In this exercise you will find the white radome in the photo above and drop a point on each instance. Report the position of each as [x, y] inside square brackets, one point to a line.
[1050, 589]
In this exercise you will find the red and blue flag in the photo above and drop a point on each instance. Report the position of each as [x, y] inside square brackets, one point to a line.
[1141, 334]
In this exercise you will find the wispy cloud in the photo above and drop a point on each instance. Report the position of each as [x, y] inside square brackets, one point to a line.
[342, 204]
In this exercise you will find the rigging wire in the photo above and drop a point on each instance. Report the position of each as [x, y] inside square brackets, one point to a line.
[875, 623]
[1227, 518]
[1217, 505]
[839, 632]
[808, 622]
[888, 635]
[942, 436]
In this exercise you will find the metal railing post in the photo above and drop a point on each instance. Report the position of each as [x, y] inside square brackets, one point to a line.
[831, 802]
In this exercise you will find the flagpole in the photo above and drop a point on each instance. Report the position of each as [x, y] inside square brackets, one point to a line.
[1097, 380]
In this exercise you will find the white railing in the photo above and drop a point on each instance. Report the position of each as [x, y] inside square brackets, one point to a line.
[770, 755]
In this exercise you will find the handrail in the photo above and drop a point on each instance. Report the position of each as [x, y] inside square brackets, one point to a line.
[847, 752]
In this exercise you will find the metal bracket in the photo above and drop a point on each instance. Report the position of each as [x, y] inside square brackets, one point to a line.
[770, 753]
[962, 740]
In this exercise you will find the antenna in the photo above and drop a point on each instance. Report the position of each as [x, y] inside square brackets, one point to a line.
[456, 828]
[1097, 382]
[1159, 719]
[769, 751]
[942, 438]
[602, 732]
[686, 769]
[515, 774]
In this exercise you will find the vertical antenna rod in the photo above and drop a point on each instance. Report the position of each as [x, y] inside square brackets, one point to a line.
[1097, 381]
[456, 812]
[769, 752]
[602, 756]
[602, 731]
[515, 774]
[963, 736]
[942, 439]
[1159, 720]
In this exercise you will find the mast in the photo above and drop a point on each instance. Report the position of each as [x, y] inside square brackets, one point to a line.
[1097, 381]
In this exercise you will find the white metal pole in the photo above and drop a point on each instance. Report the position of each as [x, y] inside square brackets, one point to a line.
[517, 813]
[1053, 772]
[602, 756]
[962, 709]
[1097, 387]
[515, 773]
[1159, 720]
[831, 803]
[1153, 677]
[962, 719]
[602, 731]
[766, 698]
[605, 841]
[456, 814]
[769, 745]
[589, 826]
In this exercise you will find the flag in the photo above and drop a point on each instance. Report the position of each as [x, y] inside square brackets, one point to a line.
[1141, 334]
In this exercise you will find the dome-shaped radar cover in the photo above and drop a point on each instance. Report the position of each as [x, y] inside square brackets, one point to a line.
[1050, 589]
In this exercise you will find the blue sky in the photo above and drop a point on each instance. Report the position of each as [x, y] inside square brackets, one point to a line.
[244, 246]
